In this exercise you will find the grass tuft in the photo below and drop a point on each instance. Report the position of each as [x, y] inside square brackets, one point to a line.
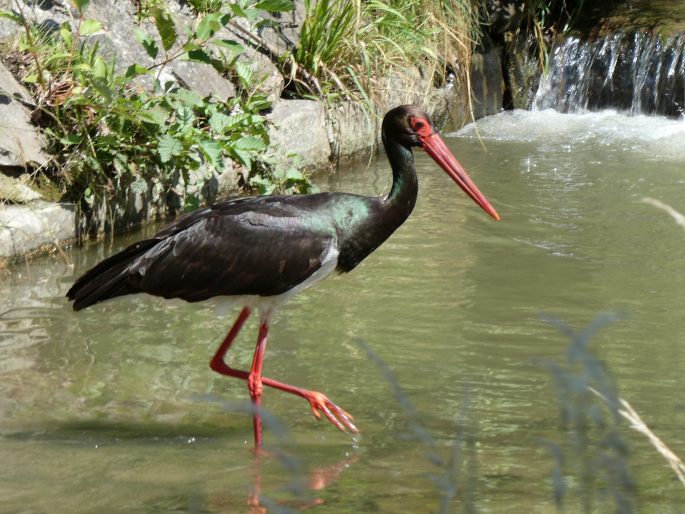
[349, 48]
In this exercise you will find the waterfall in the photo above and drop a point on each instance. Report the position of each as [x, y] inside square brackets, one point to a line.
[634, 72]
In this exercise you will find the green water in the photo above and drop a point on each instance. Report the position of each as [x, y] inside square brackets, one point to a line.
[114, 409]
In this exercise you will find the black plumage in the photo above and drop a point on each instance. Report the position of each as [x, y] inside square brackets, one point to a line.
[214, 251]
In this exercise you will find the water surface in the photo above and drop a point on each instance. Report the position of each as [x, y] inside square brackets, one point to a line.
[114, 409]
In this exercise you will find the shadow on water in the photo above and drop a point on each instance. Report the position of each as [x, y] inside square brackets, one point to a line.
[300, 486]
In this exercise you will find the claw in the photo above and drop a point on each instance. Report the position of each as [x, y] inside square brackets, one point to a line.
[338, 417]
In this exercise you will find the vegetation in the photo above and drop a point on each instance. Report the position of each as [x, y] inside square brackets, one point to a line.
[110, 132]
[347, 47]
[591, 470]
[547, 19]
[597, 453]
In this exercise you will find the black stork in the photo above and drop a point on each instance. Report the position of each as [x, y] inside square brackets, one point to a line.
[262, 250]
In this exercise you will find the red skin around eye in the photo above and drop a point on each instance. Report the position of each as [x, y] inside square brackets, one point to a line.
[421, 126]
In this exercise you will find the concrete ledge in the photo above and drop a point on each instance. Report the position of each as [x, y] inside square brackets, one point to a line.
[26, 228]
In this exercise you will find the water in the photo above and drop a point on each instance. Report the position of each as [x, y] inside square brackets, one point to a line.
[114, 409]
[636, 72]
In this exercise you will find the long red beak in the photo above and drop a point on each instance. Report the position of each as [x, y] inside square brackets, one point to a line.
[436, 148]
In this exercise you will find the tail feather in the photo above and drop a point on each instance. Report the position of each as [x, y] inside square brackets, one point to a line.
[109, 278]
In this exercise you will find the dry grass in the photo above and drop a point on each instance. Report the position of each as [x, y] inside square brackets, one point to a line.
[636, 423]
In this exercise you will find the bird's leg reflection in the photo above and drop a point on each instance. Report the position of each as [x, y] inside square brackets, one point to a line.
[318, 480]
[256, 487]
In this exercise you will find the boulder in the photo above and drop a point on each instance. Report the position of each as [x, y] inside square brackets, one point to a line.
[48, 14]
[20, 143]
[298, 127]
[118, 19]
[24, 229]
[351, 129]
[487, 82]
[16, 191]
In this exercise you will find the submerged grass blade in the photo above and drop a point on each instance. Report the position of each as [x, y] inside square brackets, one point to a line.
[678, 217]
[636, 423]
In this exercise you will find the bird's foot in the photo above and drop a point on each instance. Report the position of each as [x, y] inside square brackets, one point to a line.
[340, 418]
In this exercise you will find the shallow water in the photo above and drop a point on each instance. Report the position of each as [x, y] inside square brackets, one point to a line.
[114, 409]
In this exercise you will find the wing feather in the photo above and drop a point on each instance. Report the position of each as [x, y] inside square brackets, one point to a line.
[252, 246]
[232, 255]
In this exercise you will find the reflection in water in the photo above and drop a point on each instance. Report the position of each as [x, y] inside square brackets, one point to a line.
[317, 481]
[300, 486]
[107, 410]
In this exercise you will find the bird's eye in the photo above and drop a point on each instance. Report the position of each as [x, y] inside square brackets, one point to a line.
[421, 126]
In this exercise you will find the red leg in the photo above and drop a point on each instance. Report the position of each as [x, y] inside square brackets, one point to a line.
[217, 363]
[254, 382]
[318, 402]
[341, 419]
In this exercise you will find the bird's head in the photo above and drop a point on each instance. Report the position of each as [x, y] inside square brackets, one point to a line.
[411, 127]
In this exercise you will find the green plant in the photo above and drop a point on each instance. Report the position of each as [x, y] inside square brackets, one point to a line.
[147, 8]
[325, 38]
[111, 134]
[277, 177]
[346, 45]
[549, 18]
[203, 6]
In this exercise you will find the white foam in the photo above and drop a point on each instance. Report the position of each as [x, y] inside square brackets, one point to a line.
[653, 136]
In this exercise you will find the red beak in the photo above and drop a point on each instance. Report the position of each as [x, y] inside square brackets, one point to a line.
[436, 148]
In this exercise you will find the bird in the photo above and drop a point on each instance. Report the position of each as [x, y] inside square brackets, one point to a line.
[258, 252]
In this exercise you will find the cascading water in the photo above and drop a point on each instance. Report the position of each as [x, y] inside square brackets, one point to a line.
[638, 73]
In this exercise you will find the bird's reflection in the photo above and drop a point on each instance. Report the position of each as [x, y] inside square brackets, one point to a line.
[317, 480]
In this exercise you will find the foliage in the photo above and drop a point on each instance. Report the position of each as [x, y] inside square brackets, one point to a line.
[546, 19]
[202, 6]
[114, 129]
[346, 45]
[560, 15]
[280, 178]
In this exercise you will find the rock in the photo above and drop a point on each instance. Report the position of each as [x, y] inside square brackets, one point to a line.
[20, 143]
[399, 89]
[118, 19]
[298, 127]
[522, 72]
[267, 79]
[228, 182]
[351, 129]
[487, 83]
[504, 15]
[25, 228]
[13, 190]
[202, 78]
[45, 13]
[8, 28]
